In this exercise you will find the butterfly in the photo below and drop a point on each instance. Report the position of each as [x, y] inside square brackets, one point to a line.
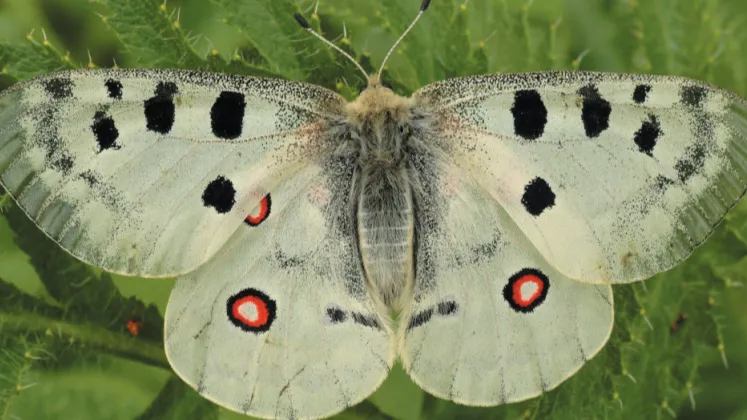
[471, 231]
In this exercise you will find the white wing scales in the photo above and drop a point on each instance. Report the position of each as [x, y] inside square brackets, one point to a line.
[492, 322]
[329, 344]
[149, 172]
[613, 178]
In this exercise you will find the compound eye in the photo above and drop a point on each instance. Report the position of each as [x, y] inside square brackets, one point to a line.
[386, 85]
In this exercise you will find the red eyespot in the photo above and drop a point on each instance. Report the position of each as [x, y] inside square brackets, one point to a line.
[264, 211]
[251, 310]
[526, 290]
[134, 325]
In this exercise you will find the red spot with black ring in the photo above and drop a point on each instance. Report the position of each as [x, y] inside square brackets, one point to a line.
[526, 290]
[251, 310]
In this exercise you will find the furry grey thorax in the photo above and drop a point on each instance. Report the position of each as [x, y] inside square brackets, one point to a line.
[381, 133]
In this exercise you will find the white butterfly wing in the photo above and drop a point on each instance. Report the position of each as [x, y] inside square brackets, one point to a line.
[492, 322]
[613, 178]
[279, 323]
[149, 172]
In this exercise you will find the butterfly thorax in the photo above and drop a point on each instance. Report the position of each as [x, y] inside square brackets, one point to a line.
[378, 122]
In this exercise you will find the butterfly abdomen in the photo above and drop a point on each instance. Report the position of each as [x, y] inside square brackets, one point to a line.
[385, 232]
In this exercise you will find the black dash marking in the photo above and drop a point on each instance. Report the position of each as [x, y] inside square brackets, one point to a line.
[286, 262]
[538, 196]
[59, 88]
[530, 114]
[420, 318]
[336, 315]
[227, 115]
[90, 178]
[661, 183]
[366, 321]
[692, 163]
[447, 308]
[64, 163]
[595, 112]
[114, 88]
[105, 131]
[640, 94]
[160, 110]
[220, 194]
[692, 95]
[648, 134]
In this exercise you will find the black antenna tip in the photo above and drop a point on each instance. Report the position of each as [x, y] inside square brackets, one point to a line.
[302, 21]
[425, 5]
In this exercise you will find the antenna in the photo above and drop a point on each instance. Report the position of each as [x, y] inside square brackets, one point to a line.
[304, 24]
[423, 7]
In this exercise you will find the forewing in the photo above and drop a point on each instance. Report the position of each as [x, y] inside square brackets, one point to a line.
[149, 172]
[491, 322]
[323, 344]
[612, 177]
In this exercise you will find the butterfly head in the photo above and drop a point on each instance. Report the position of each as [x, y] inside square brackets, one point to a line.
[378, 104]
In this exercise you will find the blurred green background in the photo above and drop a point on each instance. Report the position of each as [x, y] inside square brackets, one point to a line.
[65, 350]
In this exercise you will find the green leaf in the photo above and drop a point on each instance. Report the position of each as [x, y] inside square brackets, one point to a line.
[152, 33]
[23, 61]
[270, 28]
[178, 401]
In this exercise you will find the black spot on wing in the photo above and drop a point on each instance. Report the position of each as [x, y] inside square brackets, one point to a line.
[220, 195]
[420, 318]
[595, 111]
[105, 131]
[702, 129]
[160, 110]
[59, 88]
[63, 163]
[90, 178]
[647, 136]
[692, 163]
[538, 196]
[285, 262]
[336, 315]
[661, 183]
[114, 89]
[530, 114]
[692, 95]
[46, 135]
[447, 308]
[227, 115]
[640, 94]
[366, 321]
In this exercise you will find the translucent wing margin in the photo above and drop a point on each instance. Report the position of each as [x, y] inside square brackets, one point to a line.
[612, 177]
[148, 172]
